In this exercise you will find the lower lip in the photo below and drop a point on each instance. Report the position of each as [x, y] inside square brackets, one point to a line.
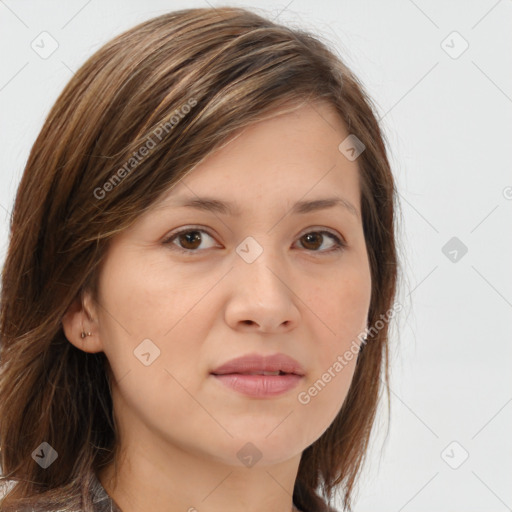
[259, 386]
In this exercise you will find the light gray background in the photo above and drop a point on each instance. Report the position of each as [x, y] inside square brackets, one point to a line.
[449, 124]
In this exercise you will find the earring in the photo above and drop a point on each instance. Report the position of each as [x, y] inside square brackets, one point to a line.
[84, 334]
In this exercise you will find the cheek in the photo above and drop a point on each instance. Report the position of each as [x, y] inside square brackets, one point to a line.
[339, 308]
[323, 395]
[142, 295]
[140, 308]
[339, 305]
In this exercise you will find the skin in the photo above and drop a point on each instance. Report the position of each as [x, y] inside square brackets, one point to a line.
[180, 428]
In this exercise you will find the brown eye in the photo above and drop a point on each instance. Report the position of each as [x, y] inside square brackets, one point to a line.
[314, 239]
[188, 240]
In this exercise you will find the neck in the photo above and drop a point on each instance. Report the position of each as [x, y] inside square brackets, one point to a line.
[174, 480]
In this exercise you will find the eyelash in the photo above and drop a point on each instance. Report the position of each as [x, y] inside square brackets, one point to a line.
[340, 244]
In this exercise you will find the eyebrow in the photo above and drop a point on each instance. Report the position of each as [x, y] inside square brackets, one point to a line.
[210, 204]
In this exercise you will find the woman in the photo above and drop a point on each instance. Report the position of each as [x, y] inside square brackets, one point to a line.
[199, 278]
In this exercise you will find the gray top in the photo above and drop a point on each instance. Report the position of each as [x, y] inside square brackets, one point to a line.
[102, 501]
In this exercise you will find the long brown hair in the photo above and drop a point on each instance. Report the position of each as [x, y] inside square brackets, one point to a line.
[187, 80]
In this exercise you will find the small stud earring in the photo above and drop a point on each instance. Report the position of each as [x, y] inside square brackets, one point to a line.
[84, 334]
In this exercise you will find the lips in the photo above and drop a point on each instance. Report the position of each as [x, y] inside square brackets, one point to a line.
[260, 376]
[258, 364]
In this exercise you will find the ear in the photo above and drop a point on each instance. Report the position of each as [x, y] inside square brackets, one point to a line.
[81, 316]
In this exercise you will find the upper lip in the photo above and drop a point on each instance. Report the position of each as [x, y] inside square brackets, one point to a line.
[260, 363]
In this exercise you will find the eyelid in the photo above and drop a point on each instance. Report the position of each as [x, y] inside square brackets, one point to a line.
[186, 229]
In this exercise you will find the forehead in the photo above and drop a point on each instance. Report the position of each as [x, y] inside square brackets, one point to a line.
[291, 159]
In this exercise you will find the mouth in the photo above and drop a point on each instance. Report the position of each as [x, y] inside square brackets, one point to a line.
[259, 384]
[279, 372]
[260, 375]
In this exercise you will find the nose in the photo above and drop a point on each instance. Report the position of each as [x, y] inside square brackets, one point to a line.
[262, 298]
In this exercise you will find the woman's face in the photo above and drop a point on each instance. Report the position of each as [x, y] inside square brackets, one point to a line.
[265, 280]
